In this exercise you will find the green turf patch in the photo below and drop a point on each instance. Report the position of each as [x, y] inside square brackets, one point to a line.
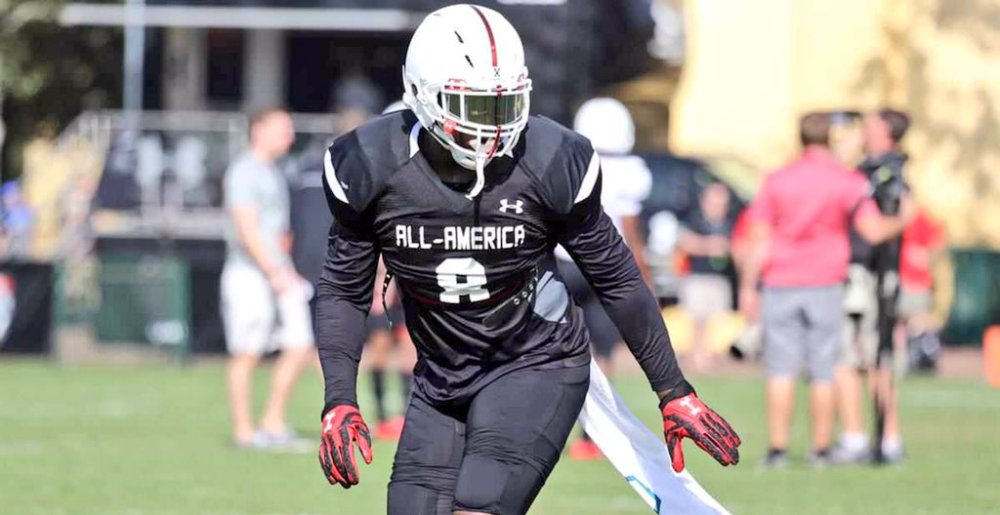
[155, 440]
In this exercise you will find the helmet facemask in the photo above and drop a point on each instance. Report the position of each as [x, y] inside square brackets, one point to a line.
[475, 123]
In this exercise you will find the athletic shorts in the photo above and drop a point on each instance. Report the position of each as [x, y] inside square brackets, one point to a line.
[704, 296]
[492, 454]
[257, 321]
[603, 333]
[914, 302]
[803, 329]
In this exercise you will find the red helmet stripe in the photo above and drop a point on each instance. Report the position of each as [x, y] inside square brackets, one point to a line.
[496, 143]
[489, 33]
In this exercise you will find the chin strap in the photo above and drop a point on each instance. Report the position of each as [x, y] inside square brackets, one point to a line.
[477, 188]
[481, 167]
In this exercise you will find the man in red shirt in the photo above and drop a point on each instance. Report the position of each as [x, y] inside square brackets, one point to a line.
[801, 218]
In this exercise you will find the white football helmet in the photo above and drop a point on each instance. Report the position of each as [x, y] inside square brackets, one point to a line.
[466, 81]
[608, 125]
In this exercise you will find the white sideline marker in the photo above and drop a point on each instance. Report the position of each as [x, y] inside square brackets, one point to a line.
[638, 454]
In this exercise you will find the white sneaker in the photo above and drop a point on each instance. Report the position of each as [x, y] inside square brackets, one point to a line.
[893, 453]
[286, 440]
[851, 451]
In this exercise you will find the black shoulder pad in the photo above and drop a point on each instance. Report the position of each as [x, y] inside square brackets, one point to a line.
[358, 164]
[564, 161]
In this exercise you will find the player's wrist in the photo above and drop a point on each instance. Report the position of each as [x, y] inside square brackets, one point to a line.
[330, 405]
[681, 390]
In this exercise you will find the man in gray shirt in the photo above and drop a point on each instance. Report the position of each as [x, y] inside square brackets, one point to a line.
[265, 303]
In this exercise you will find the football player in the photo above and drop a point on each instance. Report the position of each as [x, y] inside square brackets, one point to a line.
[465, 197]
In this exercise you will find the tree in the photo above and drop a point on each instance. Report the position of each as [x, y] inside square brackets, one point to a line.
[19, 75]
[49, 73]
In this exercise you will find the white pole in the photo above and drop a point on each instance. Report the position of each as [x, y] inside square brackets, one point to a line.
[135, 43]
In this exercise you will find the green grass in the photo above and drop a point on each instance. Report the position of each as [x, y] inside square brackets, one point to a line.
[154, 440]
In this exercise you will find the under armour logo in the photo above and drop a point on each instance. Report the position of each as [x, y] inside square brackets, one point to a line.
[517, 207]
[695, 410]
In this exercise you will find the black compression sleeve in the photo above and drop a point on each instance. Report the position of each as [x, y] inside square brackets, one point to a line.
[343, 297]
[609, 266]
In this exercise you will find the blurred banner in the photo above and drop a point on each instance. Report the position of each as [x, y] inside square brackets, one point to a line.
[161, 292]
[977, 295]
[25, 307]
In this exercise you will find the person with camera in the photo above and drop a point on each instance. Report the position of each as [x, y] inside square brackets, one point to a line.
[866, 309]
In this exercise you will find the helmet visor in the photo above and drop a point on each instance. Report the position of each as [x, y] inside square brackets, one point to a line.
[485, 109]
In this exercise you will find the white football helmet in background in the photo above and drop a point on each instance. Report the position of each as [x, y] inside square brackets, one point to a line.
[466, 81]
[607, 123]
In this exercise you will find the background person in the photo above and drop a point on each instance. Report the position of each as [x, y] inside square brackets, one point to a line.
[18, 219]
[924, 240]
[606, 122]
[883, 130]
[924, 243]
[706, 292]
[260, 285]
[801, 217]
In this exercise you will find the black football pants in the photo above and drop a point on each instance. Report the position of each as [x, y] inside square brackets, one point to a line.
[491, 455]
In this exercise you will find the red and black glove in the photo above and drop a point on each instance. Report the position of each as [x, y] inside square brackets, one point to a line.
[685, 416]
[342, 428]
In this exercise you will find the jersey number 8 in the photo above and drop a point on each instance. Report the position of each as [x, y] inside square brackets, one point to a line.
[462, 277]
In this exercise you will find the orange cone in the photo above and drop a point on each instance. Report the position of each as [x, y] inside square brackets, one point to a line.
[991, 355]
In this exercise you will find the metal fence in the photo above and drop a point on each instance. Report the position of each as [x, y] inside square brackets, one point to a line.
[163, 170]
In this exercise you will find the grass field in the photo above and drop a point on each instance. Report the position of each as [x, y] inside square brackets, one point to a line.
[154, 440]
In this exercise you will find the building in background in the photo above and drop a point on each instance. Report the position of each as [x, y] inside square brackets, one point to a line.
[239, 54]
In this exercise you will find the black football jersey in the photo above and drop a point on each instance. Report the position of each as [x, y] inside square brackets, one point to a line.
[480, 290]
